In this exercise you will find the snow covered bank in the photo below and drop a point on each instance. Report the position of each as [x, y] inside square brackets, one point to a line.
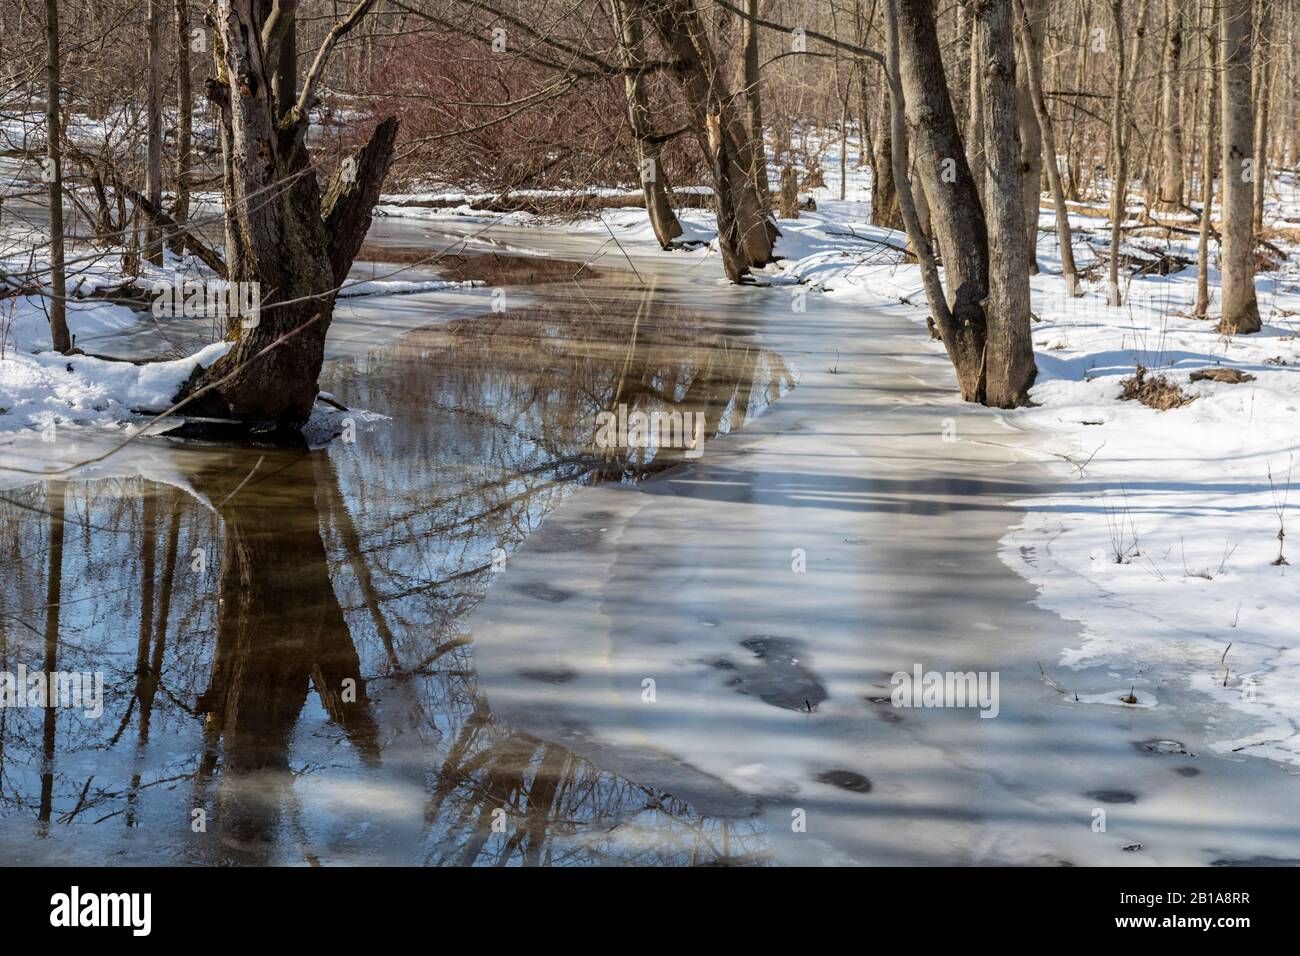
[47, 391]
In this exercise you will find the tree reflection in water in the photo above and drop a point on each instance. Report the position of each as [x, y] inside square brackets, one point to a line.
[281, 630]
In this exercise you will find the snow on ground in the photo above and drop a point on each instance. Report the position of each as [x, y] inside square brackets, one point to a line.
[48, 391]
[41, 389]
[1162, 540]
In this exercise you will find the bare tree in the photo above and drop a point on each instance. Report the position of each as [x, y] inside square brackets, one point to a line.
[1237, 260]
[1032, 25]
[743, 225]
[54, 174]
[1034, 76]
[1262, 88]
[654, 180]
[1118, 148]
[282, 234]
[1009, 367]
[153, 249]
[1171, 127]
[184, 122]
[1208, 152]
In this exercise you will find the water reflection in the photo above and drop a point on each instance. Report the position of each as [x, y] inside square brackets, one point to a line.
[286, 675]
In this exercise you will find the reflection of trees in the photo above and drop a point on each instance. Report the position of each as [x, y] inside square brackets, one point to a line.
[355, 563]
[554, 369]
[551, 807]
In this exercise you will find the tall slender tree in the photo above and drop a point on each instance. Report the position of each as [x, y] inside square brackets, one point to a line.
[1237, 259]
[53, 174]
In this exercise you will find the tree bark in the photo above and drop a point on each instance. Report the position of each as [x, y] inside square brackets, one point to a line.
[750, 232]
[153, 247]
[654, 180]
[1237, 258]
[1208, 152]
[1064, 237]
[1171, 129]
[956, 213]
[754, 101]
[1032, 29]
[975, 104]
[1009, 352]
[280, 233]
[53, 173]
[184, 123]
[1119, 150]
[884, 193]
[1263, 76]
[941, 322]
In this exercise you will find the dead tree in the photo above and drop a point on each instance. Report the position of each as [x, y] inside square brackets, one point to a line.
[281, 232]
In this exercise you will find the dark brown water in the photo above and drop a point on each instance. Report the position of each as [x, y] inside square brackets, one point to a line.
[285, 673]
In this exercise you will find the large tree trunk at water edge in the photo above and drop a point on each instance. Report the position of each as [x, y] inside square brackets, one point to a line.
[955, 211]
[281, 236]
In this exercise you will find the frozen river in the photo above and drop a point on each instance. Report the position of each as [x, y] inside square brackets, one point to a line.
[464, 637]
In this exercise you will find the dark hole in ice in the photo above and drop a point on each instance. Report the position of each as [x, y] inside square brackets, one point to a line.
[1158, 746]
[1187, 772]
[1111, 796]
[560, 675]
[846, 780]
[782, 677]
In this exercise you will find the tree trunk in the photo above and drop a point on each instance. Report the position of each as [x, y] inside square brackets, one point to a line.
[884, 192]
[754, 102]
[184, 123]
[1263, 75]
[941, 323]
[1171, 129]
[1208, 147]
[956, 213]
[282, 236]
[1032, 28]
[1237, 258]
[975, 104]
[789, 205]
[53, 173]
[1063, 234]
[1119, 150]
[712, 111]
[654, 182]
[153, 247]
[1009, 358]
